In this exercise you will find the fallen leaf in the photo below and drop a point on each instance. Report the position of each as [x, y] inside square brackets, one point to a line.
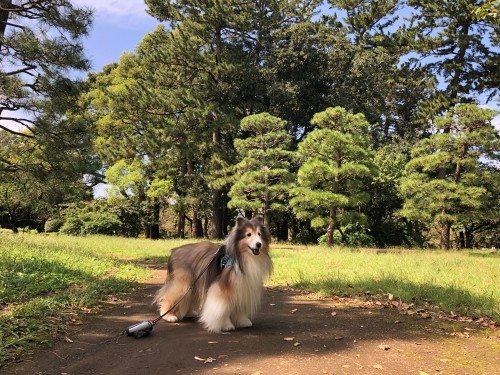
[288, 338]
[338, 338]
[378, 367]
[397, 322]
[272, 304]
[333, 313]
[67, 339]
[293, 311]
[213, 342]
[384, 347]
[210, 360]
[296, 344]
[199, 358]
[257, 373]
[390, 296]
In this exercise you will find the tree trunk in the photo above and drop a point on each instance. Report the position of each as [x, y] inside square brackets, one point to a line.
[444, 243]
[329, 234]
[469, 236]
[217, 216]
[197, 226]
[181, 223]
[461, 239]
[283, 230]
[4, 17]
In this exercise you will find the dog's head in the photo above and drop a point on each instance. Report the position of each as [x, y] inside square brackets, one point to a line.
[250, 236]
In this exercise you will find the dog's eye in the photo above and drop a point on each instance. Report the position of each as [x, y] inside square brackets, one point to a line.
[258, 234]
[249, 234]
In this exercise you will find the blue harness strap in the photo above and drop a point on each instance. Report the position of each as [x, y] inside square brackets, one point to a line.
[225, 261]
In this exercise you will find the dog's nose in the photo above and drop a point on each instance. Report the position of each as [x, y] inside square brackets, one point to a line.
[259, 245]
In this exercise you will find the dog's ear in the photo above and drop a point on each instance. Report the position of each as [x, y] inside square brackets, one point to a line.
[259, 220]
[240, 221]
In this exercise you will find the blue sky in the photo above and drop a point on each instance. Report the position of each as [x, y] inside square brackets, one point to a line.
[119, 25]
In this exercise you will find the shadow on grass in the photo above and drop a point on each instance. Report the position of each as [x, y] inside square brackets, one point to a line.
[446, 299]
[40, 298]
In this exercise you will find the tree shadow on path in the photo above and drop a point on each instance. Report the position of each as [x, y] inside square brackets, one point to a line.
[293, 334]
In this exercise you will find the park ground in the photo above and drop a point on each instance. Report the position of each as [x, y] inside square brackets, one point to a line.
[295, 333]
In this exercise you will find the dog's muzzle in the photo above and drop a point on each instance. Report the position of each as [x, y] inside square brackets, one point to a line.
[256, 251]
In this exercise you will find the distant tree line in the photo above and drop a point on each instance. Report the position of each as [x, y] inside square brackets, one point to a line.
[361, 129]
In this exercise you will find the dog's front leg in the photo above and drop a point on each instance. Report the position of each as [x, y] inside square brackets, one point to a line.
[216, 311]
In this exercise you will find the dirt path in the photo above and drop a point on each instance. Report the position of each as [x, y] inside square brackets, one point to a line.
[293, 334]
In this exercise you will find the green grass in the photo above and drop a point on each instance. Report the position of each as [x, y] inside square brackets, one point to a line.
[463, 282]
[47, 280]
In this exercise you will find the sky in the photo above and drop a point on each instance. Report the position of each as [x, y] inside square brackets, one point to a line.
[118, 27]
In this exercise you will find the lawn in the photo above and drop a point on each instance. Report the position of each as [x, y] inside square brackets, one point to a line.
[47, 282]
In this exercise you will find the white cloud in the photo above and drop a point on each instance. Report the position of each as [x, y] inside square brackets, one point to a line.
[115, 8]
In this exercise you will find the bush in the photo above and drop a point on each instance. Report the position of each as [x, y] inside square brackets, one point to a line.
[355, 235]
[72, 226]
[100, 223]
[53, 225]
[91, 223]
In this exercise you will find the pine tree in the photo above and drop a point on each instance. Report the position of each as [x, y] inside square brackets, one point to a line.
[263, 177]
[444, 180]
[35, 62]
[336, 168]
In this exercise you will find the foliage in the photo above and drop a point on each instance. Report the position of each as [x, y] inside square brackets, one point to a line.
[445, 182]
[336, 167]
[262, 178]
[30, 194]
[53, 225]
[88, 219]
[36, 76]
[353, 235]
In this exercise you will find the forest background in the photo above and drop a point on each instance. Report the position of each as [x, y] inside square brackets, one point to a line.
[357, 126]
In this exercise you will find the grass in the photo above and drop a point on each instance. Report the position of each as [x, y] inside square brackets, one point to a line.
[464, 282]
[47, 281]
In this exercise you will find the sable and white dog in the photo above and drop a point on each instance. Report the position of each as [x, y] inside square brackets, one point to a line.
[229, 292]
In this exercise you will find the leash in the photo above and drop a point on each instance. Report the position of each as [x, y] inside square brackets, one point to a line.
[145, 328]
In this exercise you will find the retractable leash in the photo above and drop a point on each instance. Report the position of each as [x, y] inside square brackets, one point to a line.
[145, 328]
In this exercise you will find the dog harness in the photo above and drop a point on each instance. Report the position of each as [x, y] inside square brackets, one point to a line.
[225, 261]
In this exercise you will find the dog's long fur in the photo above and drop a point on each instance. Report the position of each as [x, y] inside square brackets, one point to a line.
[225, 298]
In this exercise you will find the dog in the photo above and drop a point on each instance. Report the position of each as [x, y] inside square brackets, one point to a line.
[227, 281]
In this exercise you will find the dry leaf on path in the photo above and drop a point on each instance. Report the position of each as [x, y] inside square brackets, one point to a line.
[384, 347]
[288, 338]
[293, 311]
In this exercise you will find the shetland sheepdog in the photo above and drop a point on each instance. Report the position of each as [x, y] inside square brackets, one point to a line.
[228, 292]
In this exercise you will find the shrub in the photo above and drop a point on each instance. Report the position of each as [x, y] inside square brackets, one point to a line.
[355, 235]
[53, 225]
[91, 223]
[100, 223]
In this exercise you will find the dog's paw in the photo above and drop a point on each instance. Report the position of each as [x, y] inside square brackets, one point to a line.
[227, 327]
[243, 322]
[171, 318]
